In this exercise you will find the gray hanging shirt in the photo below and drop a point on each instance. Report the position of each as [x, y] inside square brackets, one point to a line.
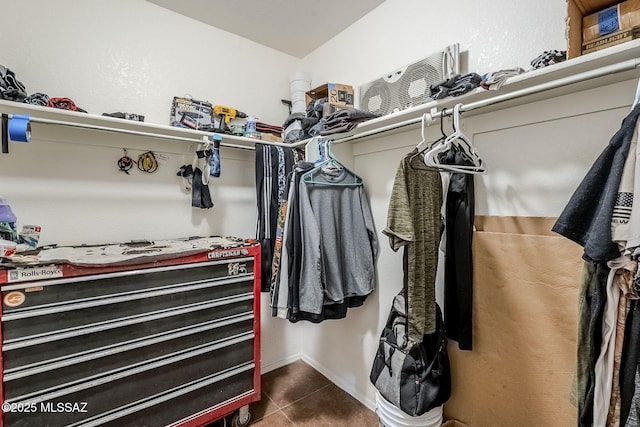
[338, 239]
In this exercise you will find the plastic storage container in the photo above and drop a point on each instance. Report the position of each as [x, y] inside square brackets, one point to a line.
[392, 416]
[7, 222]
[250, 128]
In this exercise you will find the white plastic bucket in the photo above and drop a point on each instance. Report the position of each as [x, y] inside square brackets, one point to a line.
[299, 86]
[300, 75]
[298, 107]
[392, 416]
[298, 96]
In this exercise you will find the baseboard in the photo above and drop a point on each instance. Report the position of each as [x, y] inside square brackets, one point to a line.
[279, 363]
[337, 380]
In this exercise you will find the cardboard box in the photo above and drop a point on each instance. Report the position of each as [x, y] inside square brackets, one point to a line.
[337, 94]
[525, 326]
[577, 10]
[614, 19]
[454, 423]
[265, 136]
[611, 40]
[328, 109]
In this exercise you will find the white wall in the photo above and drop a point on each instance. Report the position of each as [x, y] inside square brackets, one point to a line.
[495, 35]
[133, 56]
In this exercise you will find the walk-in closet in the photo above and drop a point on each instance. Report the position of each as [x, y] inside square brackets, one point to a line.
[283, 262]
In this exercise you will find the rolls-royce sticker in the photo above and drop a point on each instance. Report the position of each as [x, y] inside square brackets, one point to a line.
[34, 273]
[14, 299]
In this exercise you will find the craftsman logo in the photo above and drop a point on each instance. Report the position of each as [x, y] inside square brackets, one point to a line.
[14, 299]
[34, 273]
[228, 253]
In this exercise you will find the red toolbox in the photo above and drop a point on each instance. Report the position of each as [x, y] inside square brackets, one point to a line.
[155, 334]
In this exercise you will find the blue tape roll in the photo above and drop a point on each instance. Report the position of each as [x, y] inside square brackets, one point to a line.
[20, 128]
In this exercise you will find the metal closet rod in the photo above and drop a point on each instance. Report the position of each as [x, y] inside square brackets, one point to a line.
[205, 137]
[627, 65]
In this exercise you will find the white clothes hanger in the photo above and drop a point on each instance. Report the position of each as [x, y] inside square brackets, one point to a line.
[422, 142]
[423, 146]
[462, 143]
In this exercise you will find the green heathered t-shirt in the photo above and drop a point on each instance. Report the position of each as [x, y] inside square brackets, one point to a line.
[414, 222]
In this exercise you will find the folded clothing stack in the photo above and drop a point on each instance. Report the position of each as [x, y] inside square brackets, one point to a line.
[496, 79]
[548, 57]
[267, 128]
[38, 98]
[455, 86]
[64, 104]
[10, 87]
[345, 120]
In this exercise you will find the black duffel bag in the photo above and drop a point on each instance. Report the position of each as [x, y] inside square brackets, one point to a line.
[415, 377]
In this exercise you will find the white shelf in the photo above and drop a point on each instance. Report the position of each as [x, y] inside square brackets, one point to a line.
[615, 64]
[553, 81]
[58, 117]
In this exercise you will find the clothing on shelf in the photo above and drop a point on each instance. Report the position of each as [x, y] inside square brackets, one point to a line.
[345, 120]
[455, 86]
[37, 98]
[10, 87]
[329, 247]
[64, 104]
[548, 57]
[273, 164]
[267, 128]
[600, 217]
[495, 79]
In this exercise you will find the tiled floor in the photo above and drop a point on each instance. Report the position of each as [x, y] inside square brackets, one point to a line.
[297, 395]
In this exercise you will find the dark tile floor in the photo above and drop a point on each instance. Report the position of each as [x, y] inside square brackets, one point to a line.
[297, 395]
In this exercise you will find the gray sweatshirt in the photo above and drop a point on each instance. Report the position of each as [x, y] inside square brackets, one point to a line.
[338, 239]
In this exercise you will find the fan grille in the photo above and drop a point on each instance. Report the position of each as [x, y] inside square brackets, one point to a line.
[409, 86]
[414, 85]
[377, 99]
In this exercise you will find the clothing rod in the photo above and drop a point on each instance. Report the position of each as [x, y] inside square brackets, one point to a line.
[206, 138]
[628, 65]
[116, 130]
[238, 146]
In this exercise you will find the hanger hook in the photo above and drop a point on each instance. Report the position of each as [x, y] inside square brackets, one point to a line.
[424, 119]
[329, 153]
[442, 122]
[456, 116]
